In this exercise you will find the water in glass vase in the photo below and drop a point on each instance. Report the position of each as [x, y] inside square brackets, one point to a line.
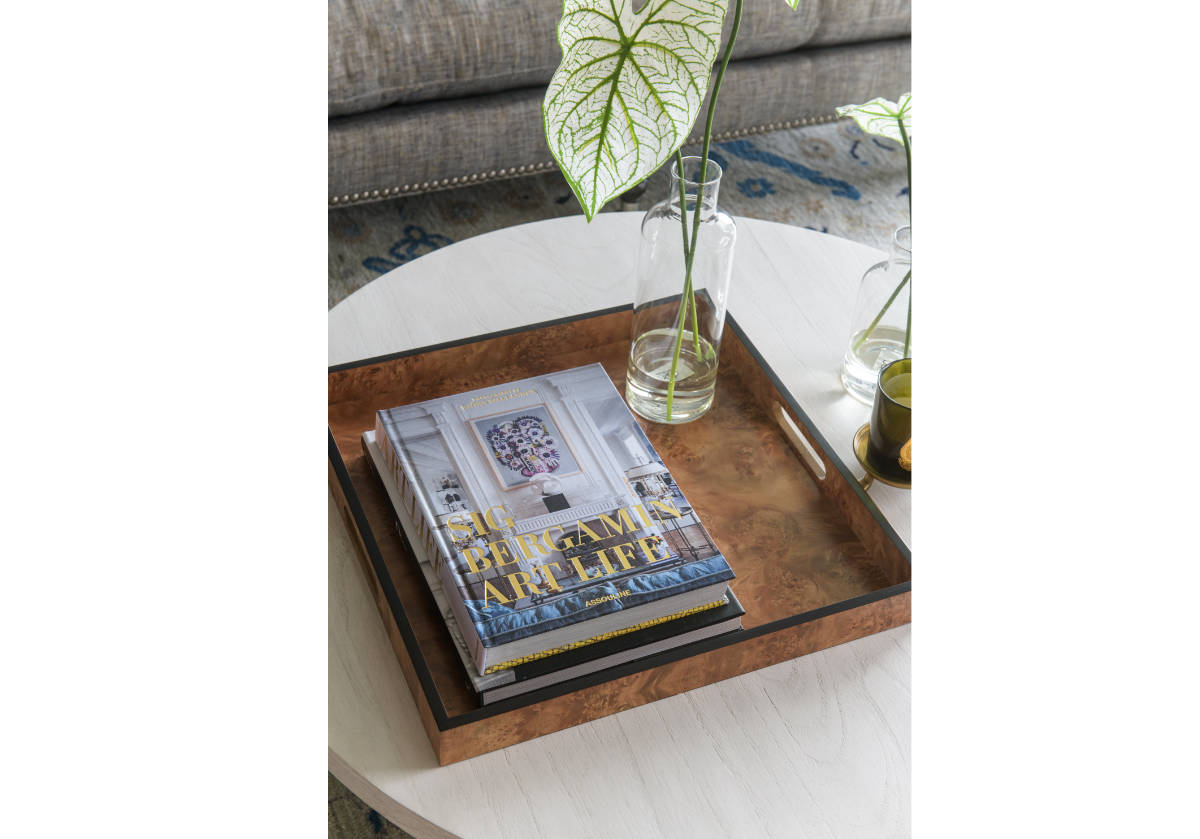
[884, 309]
[861, 366]
[650, 371]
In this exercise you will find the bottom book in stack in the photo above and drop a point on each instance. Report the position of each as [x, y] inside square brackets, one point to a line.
[563, 666]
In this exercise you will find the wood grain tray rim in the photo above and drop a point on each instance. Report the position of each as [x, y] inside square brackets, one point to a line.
[443, 720]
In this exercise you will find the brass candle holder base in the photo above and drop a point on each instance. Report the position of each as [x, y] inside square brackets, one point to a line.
[860, 452]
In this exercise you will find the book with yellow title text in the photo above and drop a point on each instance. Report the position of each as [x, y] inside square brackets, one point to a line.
[550, 519]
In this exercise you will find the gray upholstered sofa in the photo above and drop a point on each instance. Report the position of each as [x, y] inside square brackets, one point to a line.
[429, 94]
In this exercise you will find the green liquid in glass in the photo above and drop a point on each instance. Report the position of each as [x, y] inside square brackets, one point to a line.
[899, 388]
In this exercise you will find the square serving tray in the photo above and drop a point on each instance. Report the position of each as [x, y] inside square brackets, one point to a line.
[816, 562]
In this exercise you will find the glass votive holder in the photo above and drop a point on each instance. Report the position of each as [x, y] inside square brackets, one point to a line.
[891, 423]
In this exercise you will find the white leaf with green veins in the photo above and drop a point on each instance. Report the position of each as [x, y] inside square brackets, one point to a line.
[628, 89]
[879, 116]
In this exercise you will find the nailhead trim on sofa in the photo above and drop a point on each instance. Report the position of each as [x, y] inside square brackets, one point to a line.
[532, 168]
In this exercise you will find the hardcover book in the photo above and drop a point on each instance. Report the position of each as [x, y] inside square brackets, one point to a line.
[561, 667]
[550, 520]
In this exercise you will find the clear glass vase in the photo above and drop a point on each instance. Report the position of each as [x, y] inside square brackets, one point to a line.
[668, 332]
[881, 327]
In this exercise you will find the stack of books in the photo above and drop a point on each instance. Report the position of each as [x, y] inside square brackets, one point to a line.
[553, 539]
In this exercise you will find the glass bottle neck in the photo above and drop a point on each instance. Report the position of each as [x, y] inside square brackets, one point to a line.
[693, 190]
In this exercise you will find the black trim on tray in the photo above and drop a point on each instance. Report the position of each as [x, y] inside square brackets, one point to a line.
[443, 720]
[385, 581]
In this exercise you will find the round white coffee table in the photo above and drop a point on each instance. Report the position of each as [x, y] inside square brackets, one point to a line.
[816, 746]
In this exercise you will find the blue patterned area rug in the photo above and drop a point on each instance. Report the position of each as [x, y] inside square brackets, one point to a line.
[831, 178]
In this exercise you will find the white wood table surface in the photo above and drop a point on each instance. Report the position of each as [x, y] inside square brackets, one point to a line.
[813, 747]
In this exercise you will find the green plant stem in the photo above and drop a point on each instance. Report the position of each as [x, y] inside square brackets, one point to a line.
[908, 164]
[708, 125]
[682, 203]
[689, 297]
[908, 276]
[883, 311]
[681, 317]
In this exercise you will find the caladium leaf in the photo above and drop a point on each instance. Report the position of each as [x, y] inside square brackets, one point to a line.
[881, 117]
[628, 89]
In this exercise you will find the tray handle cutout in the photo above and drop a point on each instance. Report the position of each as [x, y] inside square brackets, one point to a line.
[803, 448]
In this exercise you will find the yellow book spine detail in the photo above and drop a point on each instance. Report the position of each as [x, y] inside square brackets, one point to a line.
[574, 644]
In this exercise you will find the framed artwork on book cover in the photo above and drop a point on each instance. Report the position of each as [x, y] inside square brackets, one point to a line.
[521, 444]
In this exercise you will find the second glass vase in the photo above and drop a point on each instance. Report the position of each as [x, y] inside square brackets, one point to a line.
[670, 334]
[880, 329]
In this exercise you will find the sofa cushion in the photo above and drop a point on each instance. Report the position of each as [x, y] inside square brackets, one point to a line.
[409, 149]
[385, 52]
[851, 21]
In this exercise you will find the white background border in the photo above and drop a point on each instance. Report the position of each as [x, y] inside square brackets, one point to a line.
[164, 614]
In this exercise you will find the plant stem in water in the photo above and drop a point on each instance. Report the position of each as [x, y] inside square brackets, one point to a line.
[883, 311]
[690, 245]
[687, 293]
[687, 299]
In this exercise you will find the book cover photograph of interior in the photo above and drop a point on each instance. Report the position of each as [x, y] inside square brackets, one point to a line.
[546, 523]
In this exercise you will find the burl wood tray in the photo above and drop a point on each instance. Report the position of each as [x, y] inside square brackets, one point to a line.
[816, 563]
